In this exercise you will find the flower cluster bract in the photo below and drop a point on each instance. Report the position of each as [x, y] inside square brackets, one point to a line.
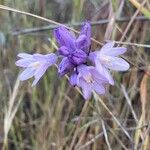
[88, 70]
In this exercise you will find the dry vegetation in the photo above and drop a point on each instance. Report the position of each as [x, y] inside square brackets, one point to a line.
[53, 115]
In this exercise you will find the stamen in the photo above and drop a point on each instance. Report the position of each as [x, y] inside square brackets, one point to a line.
[88, 79]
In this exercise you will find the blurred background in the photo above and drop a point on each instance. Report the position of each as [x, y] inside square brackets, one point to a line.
[53, 115]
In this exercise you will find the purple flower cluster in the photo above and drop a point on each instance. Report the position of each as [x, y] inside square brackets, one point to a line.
[88, 70]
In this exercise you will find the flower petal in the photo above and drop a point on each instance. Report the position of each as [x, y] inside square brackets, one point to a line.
[63, 50]
[48, 59]
[86, 30]
[100, 78]
[26, 74]
[39, 73]
[99, 88]
[93, 56]
[65, 66]
[51, 59]
[24, 62]
[83, 70]
[78, 57]
[115, 51]
[117, 64]
[82, 41]
[108, 45]
[89, 79]
[64, 38]
[73, 79]
[24, 55]
[105, 72]
[86, 89]
[38, 57]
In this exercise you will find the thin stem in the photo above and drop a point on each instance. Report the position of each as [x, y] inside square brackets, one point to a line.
[131, 44]
[76, 24]
[44, 19]
[78, 124]
[116, 120]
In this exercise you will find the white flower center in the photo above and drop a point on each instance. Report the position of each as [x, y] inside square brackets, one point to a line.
[35, 65]
[88, 78]
[106, 60]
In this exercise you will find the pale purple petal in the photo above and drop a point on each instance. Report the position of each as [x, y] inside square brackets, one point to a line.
[39, 57]
[36, 65]
[114, 51]
[73, 79]
[24, 55]
[105, 72]
[51, 59]
[93, 56]
[86, 89]
[63, 50]
[65, 66]
[39, 73]
[99, 88]
[48, 59]
[89, 79]
[101, 68]
[117, 64]
[97, 76]
[24, 62]
[26, 74]
[65, 38]
[81, 42]
[78, 57]
[86, 30]
[108, 45]
[83, 70]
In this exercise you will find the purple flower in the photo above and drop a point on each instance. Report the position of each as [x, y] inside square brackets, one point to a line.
[75, 49]
[89, 79]
[65, 66]
[106, 59]
[84, 40]
[35, 65]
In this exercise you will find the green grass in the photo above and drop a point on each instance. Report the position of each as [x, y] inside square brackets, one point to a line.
[54, 115]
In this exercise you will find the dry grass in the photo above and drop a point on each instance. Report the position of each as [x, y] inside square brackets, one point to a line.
[53, 115]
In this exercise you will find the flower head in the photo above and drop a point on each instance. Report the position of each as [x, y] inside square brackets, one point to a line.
[35, 65]
[75, 49]
[89, 79]
[88, 70]
[106, 59]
